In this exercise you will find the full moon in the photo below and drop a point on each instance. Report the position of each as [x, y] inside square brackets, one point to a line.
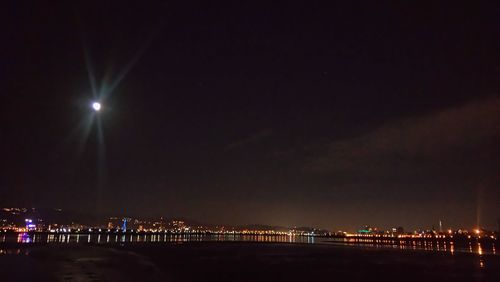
[96, 106]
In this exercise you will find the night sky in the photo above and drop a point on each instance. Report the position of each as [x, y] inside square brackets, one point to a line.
[275, 113]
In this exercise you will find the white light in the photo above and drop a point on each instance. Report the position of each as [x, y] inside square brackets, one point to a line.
[96, 106]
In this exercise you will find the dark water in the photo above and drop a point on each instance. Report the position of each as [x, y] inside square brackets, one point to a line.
[246, 261]
[240, 258]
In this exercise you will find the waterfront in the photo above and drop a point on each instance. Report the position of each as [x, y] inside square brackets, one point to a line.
[470, 246]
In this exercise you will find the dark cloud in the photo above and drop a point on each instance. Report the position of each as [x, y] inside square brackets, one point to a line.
[256, 137]
[441, 165]
[468, 132]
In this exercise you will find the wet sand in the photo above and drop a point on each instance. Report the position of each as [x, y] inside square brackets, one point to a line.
[76, 263]
[241, 261]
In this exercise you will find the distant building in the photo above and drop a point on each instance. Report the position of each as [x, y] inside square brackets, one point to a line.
[368, 230]
[124, 225]
[30, 226]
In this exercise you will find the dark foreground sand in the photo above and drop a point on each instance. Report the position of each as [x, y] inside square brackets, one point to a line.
[210, 261]
[76, 263]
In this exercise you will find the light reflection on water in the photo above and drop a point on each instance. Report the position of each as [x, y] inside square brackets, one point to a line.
[14, 252]
[175, 238]
[441, 246]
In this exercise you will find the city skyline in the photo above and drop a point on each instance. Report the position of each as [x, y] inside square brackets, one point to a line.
[16, 217]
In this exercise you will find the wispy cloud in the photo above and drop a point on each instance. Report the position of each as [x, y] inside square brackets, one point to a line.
[447, 135]
[254, 138]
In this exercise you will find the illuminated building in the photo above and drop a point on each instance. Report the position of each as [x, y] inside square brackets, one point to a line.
[29, 225]
[124, 225]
